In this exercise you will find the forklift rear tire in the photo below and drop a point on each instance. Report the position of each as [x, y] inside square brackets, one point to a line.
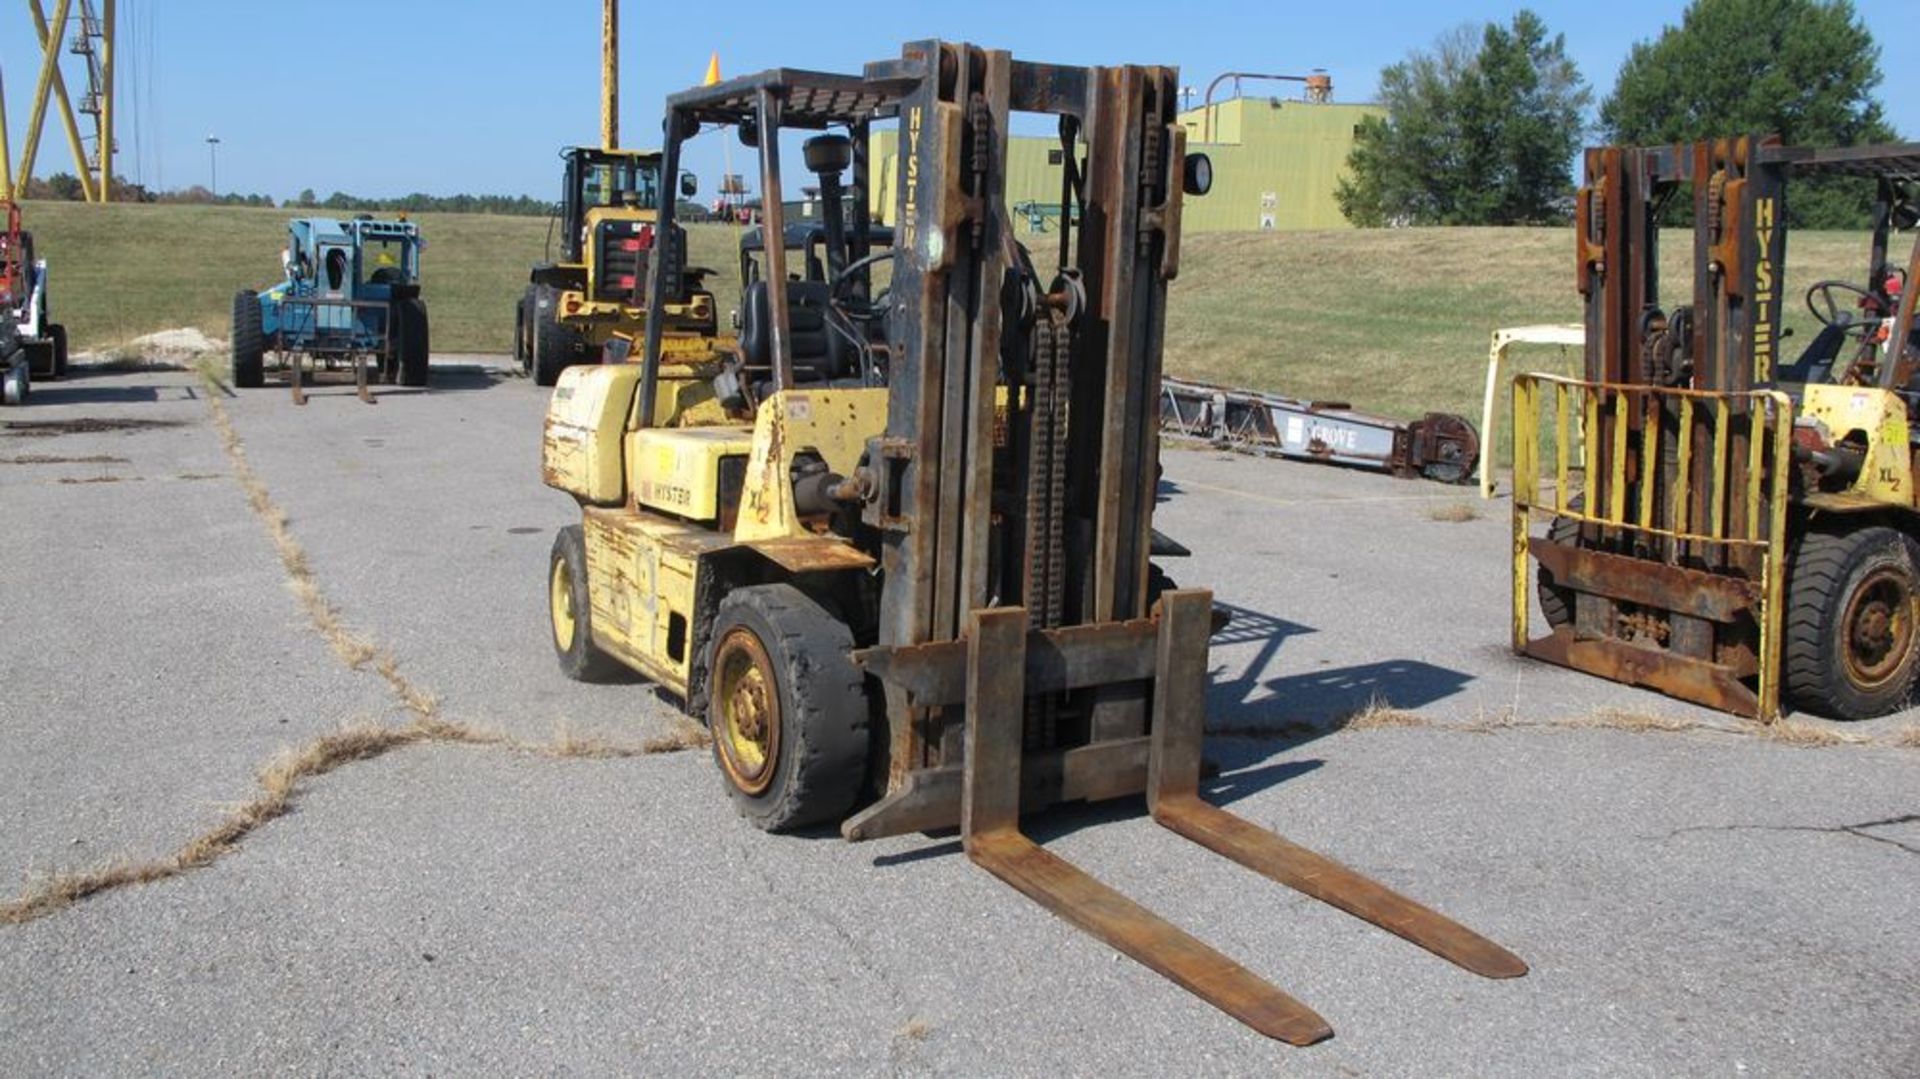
[572, 612]
[415, 344]
[552, 342]
[1853, 622]
[249, 342]
[58, 332]
[787, 708]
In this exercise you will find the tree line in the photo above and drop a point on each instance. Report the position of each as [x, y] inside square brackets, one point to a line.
[66, 186]
[1482, 128]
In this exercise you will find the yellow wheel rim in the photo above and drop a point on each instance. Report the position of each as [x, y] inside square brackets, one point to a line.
[560, 599]
[747, 702]
[1879, 627]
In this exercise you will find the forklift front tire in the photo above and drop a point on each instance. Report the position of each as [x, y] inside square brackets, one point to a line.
[1853, 622]
[787, 708]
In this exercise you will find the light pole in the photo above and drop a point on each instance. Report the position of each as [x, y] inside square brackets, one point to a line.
[213, 164]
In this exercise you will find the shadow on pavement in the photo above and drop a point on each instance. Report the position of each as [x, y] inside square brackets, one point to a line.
[454, 377]
[64, 392]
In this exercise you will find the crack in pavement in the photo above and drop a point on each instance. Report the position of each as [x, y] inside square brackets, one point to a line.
[912, 1028]
[1861, 830]
[282, 777]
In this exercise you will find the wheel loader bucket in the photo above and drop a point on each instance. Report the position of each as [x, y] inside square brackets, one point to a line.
[992, 673]
[1667, 567]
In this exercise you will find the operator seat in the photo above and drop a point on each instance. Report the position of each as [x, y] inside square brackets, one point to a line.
[820, 355]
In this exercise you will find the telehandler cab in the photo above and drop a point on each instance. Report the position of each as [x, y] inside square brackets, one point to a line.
[1726, 526]
[895, 542]
[351, 297]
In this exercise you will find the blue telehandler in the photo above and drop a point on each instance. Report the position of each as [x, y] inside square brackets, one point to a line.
[351, 296]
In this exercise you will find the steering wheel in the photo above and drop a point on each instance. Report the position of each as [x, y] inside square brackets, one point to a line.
[876, 307]
[1823, 300]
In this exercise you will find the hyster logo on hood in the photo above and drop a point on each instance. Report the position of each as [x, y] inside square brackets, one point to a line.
[1764, 299]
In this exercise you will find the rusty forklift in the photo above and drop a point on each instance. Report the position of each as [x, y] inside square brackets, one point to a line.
[892, 544]
[1723, 525]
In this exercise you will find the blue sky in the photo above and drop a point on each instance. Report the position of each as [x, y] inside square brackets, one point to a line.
[382, 97]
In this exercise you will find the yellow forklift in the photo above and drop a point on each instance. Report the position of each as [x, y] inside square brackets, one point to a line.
[1721, 524]
[892, 542]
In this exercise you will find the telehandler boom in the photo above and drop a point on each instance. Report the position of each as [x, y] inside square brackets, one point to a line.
[893, 544]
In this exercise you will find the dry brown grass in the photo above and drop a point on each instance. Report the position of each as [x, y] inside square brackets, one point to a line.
[916, 1030]
[353, 649]
[1378, 714]
[1800, 733]
[280, 779]
[1625, 719]
[1453, 512]
[280, 782]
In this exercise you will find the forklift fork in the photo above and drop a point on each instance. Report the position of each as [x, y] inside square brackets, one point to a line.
[990, 832]
[361, 387]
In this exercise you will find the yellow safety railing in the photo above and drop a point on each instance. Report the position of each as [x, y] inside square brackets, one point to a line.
[1574, 443]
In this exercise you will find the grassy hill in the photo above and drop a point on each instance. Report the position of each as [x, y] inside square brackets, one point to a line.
[1391, 320]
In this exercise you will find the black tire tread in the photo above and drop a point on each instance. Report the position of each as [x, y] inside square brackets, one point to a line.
[58, 332]
[584, 662]
[1817, 575]
[824, 708]
[1556, 603]
[415, 366]
[553, 341]
[249, 343]
[522, 342]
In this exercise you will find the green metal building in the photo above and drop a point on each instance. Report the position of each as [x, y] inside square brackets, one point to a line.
[1275, 165]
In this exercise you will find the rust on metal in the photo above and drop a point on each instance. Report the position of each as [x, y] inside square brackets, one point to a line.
[802, 554]
[1173, 796]
[1071, 657]
[930, 798]
[1638, 580]
[1712, 684]
[991, 834]
[1009, 623]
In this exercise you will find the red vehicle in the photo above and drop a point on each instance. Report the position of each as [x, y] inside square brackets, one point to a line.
[30, 342]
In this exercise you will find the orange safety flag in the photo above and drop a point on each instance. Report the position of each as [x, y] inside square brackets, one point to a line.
[713, 71]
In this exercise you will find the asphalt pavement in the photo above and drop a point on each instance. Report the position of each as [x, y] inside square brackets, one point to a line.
[1698, 902]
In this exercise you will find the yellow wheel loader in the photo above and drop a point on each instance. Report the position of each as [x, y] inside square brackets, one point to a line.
[892, 543]
[1702, 516]
[596, 290]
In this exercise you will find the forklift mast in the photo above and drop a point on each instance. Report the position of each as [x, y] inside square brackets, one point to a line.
[1726, 336]
[981, 493]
